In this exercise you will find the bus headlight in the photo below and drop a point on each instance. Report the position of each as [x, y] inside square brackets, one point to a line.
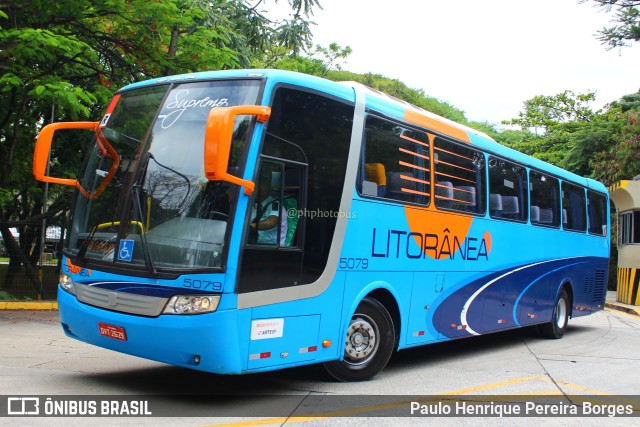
[66, 283]
[192, 304]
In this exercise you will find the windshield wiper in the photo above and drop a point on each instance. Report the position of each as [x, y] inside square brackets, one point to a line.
[181, 175]
[135, 193]
[80, 257]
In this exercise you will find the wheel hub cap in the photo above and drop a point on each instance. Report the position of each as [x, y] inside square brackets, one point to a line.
[361, 340]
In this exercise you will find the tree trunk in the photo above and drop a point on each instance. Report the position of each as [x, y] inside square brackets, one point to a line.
[16, 258]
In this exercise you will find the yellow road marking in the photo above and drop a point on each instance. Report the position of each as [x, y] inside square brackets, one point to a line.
[585, 389]
[489, 386]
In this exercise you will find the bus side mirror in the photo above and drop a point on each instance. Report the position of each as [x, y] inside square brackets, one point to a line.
[218, 138]
[43, 150]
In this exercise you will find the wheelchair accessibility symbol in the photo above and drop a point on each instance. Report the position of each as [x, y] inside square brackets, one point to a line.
[125, 252]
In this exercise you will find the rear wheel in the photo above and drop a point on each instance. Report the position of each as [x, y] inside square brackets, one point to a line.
[558, 325]
[369, 343]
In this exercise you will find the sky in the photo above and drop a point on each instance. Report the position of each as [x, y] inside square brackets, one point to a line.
[485, 57]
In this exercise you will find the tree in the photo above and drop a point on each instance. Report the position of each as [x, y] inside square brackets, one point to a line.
[542, 113]
[397, 89]
[318, 62]
[551, 123]
[621, 159]
[627, 19]
[604, 145]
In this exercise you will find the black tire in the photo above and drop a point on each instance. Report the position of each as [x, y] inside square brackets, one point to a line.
[558, 325]
[369, 343]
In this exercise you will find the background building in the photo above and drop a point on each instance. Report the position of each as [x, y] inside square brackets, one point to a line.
[626, 196]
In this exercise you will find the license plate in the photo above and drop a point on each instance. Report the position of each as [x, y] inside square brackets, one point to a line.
[111, 331]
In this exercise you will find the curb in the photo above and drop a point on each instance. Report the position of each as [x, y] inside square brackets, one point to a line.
[622, 307]
[28, 305]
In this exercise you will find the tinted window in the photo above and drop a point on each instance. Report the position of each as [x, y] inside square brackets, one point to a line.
[597, 206]
[573, 208]
[307, 140]
[545, 203]
[459, 173]
[396, 162]
[508, 195]
[275, 217]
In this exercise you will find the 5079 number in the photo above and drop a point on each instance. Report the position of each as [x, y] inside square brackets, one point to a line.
[205, 285]
[354, 263]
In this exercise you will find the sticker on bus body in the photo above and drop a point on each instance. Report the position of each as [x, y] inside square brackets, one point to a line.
[125, 251]
[111, 331]
[267, 328]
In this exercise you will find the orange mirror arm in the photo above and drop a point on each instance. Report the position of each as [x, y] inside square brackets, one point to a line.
[218, 139]
[43, 150]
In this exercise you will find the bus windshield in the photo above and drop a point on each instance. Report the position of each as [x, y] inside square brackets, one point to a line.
[158, 210]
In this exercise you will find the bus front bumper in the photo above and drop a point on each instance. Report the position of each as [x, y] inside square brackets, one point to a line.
[206, 342]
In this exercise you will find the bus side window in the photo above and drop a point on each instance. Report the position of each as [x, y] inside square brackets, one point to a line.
[508, 192]
[395, 162]
[268, 223]
[597, 208]
[293, 203]
[545, 201]
[460, 177]
[275, 215]
[573, 208]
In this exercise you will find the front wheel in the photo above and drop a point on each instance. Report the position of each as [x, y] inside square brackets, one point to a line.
[558, 325]
[369, 343]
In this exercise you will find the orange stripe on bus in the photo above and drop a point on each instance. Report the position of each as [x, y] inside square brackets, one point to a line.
[436, 125]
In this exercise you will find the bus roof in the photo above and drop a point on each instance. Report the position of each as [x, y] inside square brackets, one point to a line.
[385, 104]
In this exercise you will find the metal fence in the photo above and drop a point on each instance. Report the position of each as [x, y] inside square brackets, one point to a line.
[32, 274]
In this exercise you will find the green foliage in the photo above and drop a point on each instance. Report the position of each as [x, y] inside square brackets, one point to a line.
[563, 130]
[621, 158]
[63, 60]
[627, 22]
[333, 56]
[401, 91]
[328, 61]
[543, 113]
[552, 125]
[5, 296]
[629, 102]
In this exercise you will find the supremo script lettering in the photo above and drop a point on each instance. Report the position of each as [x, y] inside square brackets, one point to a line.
[414, 245]
[181, 101]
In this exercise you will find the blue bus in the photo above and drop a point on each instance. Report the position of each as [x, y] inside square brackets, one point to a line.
[250, 220]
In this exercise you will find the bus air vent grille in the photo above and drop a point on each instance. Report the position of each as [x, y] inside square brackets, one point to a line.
[124, 302]
[589, 284]
[600, 287]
